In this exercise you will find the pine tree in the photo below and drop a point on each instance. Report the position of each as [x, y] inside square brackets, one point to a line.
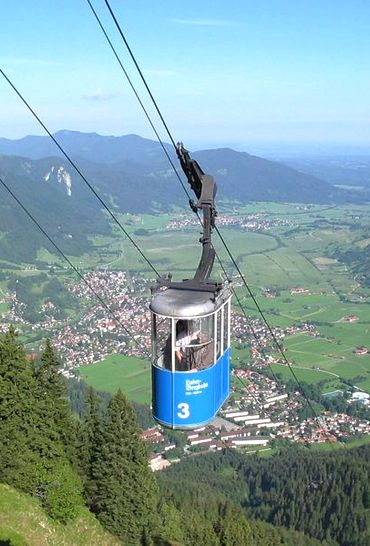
[32, 452]
[233, 527]
[19, 462]
[88, 446]
[198, 529]
[171, 521]
[125, 486]
[61, 491]
[53, 396]
[59, 488]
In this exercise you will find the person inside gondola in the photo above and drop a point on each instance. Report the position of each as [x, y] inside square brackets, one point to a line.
[184, 353]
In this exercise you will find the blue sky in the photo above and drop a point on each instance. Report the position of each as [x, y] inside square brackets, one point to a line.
[234, 72]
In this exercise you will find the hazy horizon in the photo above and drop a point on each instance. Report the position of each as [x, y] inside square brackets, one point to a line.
[268, 149]
[222, 72]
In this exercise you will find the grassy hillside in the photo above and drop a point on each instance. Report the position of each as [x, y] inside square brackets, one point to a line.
[130, 374]
[24, 523]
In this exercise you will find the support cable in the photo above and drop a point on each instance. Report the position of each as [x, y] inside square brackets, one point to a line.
[90, 287]
[138, 97]
[102, 202]
[272, 333]
[280, 349]
[160, 140]
[247, 318]
[140, 72]
[173, 143]
[256, 338]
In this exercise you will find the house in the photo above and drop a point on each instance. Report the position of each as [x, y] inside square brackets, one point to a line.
[361, 351]
[158, 463]
[350, 318]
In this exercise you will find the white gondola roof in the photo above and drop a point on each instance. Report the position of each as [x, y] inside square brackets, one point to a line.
[184, 303]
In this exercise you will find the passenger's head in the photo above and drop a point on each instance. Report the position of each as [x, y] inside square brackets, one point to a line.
[181, 326]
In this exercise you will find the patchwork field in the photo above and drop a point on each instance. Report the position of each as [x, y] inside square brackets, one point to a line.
[286, 259]
[130, 374]
[290, 266]
[334, 356]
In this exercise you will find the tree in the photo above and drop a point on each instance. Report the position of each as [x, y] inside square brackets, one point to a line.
[17, 401]
[88, 449]
[198, 529]
[125, 486]
[53, 392]
[62, 491]
[171, 522]
[233, 527]
[32, 450]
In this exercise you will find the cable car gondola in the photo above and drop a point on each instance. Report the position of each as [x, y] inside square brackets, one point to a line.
[191, 328]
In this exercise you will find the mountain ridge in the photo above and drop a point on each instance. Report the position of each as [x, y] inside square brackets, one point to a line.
[91, 146]
[240, 175]
[132, 175]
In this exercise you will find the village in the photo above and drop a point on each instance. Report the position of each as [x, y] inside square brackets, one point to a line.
[251, 222]
[260, 417]
[122, 326]
[125, 325]
[260, 412]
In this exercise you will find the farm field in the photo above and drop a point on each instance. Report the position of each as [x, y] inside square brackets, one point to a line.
[309, 286]
[304, 374]
[130, 374]
[290, 267]
[337, 339]
[351, 443]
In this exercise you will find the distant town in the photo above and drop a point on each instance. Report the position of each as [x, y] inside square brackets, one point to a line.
[260, 413]
[262, 416]
[98, 331]
[251, 222]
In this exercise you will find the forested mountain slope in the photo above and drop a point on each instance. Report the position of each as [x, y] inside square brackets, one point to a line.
[55, 466]
[324, 495]
[130, 174]
[47, 188]
[240, 176]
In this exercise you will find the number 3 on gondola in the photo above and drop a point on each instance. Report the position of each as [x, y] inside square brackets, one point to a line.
[184, 412]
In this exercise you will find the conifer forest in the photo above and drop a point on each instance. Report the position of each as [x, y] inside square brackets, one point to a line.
[94, 457]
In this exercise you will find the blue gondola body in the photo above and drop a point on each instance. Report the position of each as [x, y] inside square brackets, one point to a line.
[191, 355]
[190, 399]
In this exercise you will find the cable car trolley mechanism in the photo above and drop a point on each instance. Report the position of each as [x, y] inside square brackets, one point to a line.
[191, 327]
